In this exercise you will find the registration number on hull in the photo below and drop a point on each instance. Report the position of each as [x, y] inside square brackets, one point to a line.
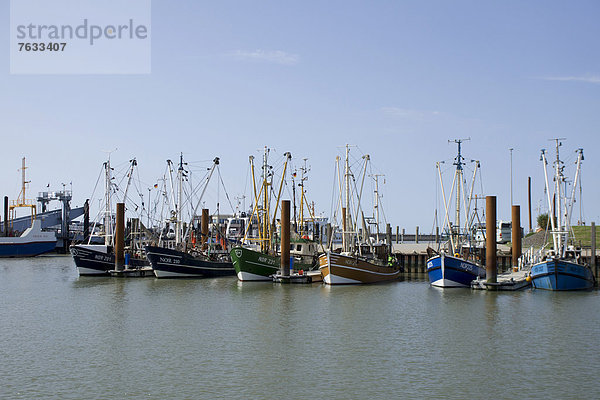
[266, 260]
[169, 260]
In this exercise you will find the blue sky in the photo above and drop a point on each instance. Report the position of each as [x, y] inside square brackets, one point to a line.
[396, 78]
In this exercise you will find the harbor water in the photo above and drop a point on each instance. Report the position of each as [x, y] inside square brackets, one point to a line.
[66, 337]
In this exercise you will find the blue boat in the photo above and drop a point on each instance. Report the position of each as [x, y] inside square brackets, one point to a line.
[560, 274]
[561, 268]
[448, 271]
[31, 243]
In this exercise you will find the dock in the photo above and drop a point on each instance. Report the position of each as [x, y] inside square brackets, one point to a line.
[143, 272]
[299, 277]
[413, 257]
[508, 281]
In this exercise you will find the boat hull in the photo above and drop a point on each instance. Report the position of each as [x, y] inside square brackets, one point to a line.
[31, 243]
[97, 260]
[26, 249]
[556, 274]
[338, 269]
[253, 265]
[169, 263]
[447, 271]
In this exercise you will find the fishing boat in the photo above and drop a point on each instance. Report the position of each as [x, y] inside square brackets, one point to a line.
[561, 268]
[362, 258]
[454, 265]
[183, 257]
[258, 259]
[98, 259]
[253, 265]
[172, 263]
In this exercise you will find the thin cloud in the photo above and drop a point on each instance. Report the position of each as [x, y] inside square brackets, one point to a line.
[586, 79]
[409, 113]
[272, 56]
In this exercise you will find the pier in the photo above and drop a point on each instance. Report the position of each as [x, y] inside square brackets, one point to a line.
[413, 257]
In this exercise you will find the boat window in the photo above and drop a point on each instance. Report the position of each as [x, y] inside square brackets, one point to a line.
[299, 247]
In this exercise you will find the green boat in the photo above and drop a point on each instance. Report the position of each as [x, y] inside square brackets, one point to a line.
[251, 265]
[258, 258]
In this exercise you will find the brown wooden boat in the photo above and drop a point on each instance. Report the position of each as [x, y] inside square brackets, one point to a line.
[341, 269]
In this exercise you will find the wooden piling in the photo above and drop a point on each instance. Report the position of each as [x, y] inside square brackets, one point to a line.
[204, 230]
[86, 221]
[6, 233]
[516, 235]
[329, 238]
[437, 235]
[397, 234]
[120, 237]
[529, 200]
[403, 231]
[491, 270]
[388, 237]
[417, 235]
[593, 264]
[285, 237]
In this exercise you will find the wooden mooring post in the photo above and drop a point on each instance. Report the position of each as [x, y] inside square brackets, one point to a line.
[120, 237]
[516, 235]
[593, 264]
[285, 237]
[6, 233]
[491, 270]
[204, 230]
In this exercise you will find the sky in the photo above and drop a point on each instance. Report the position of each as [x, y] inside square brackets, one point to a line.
[396, 79]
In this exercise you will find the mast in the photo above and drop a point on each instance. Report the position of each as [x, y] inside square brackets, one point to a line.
[559, 178]
[265, 189]
[256, 195]
[458, 161]
[341, 199]
[295, 226]
[172, 191]
[107, 216]
[23, 181]
[377, 203]
[303, 178]
[550, 214]
[288, 157]
[347, 183]
[21, 199]
[178, 224]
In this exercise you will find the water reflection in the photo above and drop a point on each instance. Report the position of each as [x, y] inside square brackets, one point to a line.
[209, 338]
